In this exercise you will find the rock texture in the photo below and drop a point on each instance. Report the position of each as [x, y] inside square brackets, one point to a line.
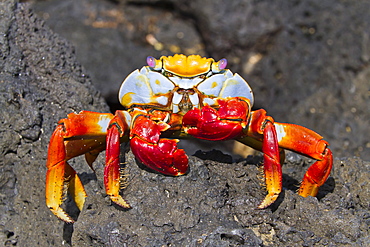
[311, 59]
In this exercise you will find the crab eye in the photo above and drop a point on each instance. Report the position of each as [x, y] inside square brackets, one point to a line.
[222, 64]
[150, 61]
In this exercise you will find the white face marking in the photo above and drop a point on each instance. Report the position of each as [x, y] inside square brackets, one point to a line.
[236, 86]
[212, 85]
[144, 87]
[208, 101]
[175, 108]
[280, 132]
[226, 85]
[185, 83]
[176, 98]
[194, 99]
[163, 100]
[127, 118]
[104, 123]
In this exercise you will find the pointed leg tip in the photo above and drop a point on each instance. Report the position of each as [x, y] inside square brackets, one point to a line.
[308, 189]
[181, 173]
[69, 221]
[263, 205]
[59, 212]
[120, 202]
[269, 199]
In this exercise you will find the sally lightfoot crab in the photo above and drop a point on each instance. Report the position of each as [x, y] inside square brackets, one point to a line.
[176, 97]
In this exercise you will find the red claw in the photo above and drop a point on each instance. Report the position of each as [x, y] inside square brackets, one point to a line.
[163, 157]
[158, 154]
[222, 124]
[147, 129]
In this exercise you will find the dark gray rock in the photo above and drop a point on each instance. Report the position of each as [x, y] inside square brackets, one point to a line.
[40, 82]
[213, 205]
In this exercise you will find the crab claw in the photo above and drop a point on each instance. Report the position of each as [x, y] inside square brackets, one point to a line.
[158, 154]
[223, 124]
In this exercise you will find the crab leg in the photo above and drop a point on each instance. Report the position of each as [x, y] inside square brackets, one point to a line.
[261, 135]
[55, 176]
[272, 166]
[117, 130]
[82, 133]
[292, 137]
[307, 142]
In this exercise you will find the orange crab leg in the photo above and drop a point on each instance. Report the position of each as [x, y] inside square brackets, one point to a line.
[55, 175]
[295, 138]
[82, 133]
[75, 187]
[117, 129]
[59, 174]
[307, 142]
[272, 166]
[261, 134]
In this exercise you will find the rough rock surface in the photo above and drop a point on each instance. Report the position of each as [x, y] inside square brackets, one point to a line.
[214, 205]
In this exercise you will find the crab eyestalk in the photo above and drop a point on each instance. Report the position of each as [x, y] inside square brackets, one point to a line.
[154, 63]
[218, 66]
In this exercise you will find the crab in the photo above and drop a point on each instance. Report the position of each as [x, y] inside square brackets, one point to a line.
[177, 97]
